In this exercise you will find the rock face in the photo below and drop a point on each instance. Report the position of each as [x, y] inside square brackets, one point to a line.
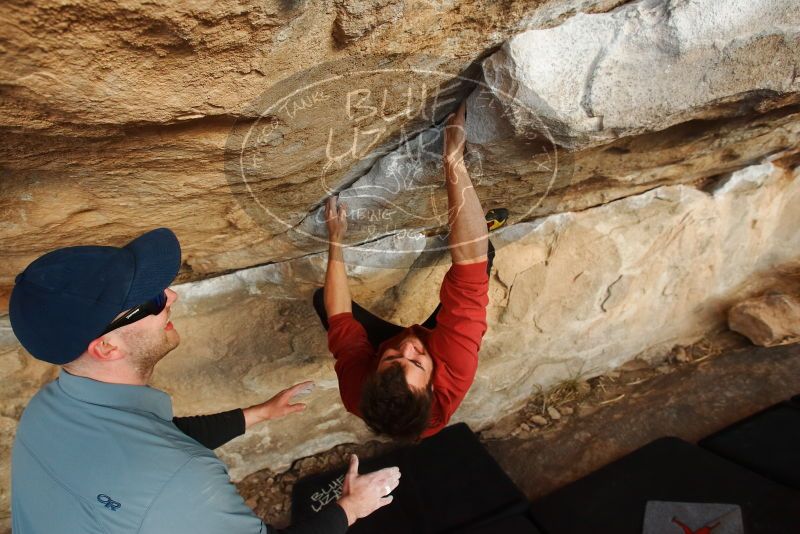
[357, 18]
[572, 294]
[768, 320]
[647, 152]
[647, 66]
[107, 110]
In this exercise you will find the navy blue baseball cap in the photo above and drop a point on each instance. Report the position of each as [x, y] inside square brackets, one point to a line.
[66, 298]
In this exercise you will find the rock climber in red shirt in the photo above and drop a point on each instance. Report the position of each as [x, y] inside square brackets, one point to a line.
[407, 382]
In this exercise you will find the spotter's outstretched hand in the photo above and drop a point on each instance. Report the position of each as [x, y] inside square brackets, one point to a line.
[278, 406]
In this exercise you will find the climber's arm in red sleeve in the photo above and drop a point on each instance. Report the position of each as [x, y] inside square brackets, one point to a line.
[348, 342]
[456, 339]
[461, 321]
[347, 339]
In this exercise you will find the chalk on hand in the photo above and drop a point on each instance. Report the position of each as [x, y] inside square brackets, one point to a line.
[302, 392]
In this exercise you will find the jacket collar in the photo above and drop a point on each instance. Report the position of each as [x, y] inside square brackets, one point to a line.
[122, 396]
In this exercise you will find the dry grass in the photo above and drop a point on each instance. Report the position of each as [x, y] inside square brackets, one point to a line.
[570, 390]
[703, 350]
[580, 394]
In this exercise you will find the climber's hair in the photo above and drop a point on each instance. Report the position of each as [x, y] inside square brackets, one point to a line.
[390, 406]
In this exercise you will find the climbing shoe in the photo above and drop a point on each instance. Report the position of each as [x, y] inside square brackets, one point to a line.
[495, 218]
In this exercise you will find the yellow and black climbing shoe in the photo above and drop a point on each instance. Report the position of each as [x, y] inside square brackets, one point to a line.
[495, 218]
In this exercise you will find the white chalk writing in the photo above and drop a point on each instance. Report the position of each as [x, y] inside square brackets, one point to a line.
[327, 494]
[303, 102]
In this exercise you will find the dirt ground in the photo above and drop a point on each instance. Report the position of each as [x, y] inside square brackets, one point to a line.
[580, 425]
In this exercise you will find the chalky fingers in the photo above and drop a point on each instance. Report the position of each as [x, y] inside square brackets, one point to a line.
[386, 480]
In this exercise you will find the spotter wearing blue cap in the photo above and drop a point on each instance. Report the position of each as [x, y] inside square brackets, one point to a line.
[66, 298]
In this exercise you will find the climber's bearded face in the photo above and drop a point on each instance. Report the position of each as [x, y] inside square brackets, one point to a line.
[411, 354]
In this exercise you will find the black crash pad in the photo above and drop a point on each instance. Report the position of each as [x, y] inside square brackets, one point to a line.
[613, 498]
[796, 400]
[449, 483]
[516, 524]
[767, 443]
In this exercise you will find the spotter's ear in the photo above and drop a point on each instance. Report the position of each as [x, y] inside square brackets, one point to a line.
[102, 350]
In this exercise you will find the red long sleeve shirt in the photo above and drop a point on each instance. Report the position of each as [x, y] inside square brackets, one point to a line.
[453, 344]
